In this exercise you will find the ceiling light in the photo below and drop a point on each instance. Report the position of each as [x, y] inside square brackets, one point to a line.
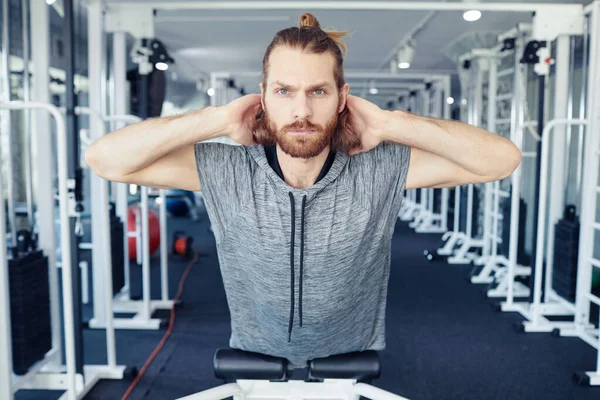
[450, 100]
[405, 55]
[372, 88]
[211, 92]
[50, 2]
[472, 15]
[162, 66]
[463, 102]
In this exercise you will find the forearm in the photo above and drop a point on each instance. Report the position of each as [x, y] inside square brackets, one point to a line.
[136, 146]
[473, 149]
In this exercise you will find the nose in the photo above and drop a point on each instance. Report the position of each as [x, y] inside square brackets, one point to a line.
[302, 107]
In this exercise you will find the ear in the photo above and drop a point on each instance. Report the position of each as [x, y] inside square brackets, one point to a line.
[343, 96]
[262, 95]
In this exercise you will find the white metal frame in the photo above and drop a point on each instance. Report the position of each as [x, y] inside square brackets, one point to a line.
[141, 25]
[427, 220]
[49, 374]
[354, 5]
[142, 309]
[329, 389]
[552, 303]
[589, 224]
[463, 254]
[424, 219]
[496, 268]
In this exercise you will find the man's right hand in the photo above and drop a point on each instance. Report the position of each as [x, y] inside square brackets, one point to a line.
[240, 115]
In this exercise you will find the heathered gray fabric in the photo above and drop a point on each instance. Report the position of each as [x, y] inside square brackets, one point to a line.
[349, 219]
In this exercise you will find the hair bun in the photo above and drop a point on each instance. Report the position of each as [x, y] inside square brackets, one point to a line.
[307, 19]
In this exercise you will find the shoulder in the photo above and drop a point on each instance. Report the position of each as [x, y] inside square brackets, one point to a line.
[385, 152]
[220, 150]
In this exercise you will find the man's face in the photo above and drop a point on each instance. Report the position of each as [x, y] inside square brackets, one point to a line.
[301, 101]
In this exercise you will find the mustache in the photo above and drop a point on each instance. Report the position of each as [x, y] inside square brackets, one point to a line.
[303, 124]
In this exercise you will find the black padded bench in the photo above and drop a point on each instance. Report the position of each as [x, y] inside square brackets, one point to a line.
[233, 364]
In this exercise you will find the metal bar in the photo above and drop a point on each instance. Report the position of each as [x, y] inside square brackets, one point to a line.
[516, 135]
[120, 81]
[541, 219]
[536, 202]
[6, 121]
[145, 255]
[74, 175]
[344, 5]
[96, 51]
[164, 266]
[491, 201]
[560, 152]
[6, 361]
[27, 116]
[107, 267]
[65, 233]
[569, 111]
[595, 262]
[582, 108]
[44, 195]
[593, 298]
[447, 115]
[143, 113]
[372, 392]
[506, 71]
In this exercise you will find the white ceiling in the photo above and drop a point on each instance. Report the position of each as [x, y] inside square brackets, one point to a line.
[204, 41]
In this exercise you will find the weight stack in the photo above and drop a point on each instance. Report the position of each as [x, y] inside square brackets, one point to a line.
[29, 310]
[117, 256]
[566, 247]
[505, 208]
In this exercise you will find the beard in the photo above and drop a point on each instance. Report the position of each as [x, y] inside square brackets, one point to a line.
[308, 146]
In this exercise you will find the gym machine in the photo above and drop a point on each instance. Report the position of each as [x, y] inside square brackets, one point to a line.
[552, 295]
[473, 68]
[434, 105]
[256, 376]
[502, 228]
[419, 205]
[49, 372]
[142, 55]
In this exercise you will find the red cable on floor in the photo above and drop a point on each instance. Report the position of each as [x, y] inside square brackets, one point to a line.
[169, 330]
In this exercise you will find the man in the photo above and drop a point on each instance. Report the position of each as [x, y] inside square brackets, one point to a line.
[304, 211]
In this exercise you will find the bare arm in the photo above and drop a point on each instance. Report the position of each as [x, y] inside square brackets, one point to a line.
[159, 152]
[450, 153]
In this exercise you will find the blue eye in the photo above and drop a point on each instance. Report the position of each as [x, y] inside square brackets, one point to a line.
[282, 90]
[319, 90]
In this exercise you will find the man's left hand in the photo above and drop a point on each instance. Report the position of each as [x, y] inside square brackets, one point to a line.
[368, 121]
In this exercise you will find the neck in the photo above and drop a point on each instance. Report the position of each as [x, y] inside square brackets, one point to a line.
[301, 173]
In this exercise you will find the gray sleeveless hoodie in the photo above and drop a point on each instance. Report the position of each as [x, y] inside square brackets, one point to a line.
[305, 270]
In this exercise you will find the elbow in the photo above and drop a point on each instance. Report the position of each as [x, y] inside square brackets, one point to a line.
[511, 162]
[96, 160]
